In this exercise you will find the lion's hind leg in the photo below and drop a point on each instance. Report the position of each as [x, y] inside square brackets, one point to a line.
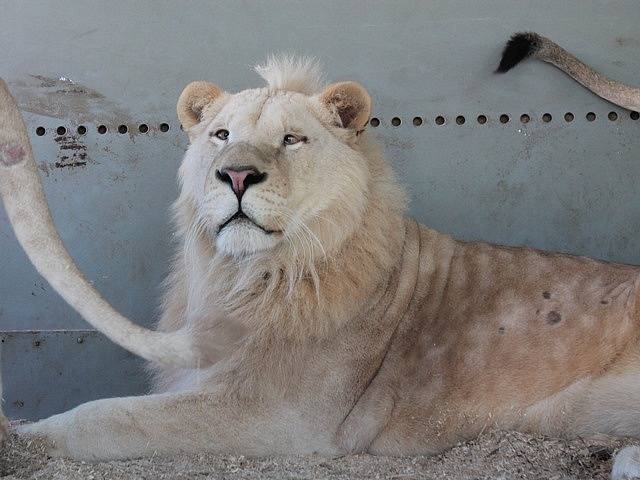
[611, 405]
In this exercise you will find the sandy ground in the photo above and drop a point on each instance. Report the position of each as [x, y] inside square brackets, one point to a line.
[495, 455]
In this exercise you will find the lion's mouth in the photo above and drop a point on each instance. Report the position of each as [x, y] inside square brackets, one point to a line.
[241, 216]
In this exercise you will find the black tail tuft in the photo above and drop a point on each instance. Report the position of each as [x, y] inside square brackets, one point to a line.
[520, 46]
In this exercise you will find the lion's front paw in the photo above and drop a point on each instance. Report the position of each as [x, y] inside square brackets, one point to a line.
[45, 433]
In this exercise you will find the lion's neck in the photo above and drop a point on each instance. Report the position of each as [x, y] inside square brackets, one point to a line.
[307, 300]
[302, 300]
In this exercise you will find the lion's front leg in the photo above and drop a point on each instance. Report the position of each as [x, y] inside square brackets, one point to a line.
[129, 427]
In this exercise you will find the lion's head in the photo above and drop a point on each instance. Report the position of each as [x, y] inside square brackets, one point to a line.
[278, 167]
[287, 209]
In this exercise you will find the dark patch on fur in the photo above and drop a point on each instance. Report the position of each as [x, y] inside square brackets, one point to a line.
[11, 155]
[520, 46]
[546, 295]
[553, 317]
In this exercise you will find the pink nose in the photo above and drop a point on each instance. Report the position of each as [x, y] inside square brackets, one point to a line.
[240, 179]
[237, 179]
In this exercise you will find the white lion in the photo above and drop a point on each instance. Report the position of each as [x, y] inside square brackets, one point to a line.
[352, 327]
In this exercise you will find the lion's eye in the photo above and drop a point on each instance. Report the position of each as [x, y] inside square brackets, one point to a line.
[291, 139]
[222, 134]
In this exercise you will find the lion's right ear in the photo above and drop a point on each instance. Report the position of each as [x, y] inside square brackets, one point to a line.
[193, 100]
[350, 101]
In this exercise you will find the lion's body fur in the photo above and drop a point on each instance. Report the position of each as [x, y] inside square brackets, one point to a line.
[490, 336]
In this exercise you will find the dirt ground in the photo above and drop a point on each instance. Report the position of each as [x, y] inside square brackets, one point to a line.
[495, 455]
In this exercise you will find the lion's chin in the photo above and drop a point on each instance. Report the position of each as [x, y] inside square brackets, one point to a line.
[242, 238]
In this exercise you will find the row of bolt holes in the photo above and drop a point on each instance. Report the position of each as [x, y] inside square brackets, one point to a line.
[395, 121]
[102, 129]
[504, 118]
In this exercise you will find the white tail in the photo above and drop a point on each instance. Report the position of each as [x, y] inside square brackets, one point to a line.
[24, 201]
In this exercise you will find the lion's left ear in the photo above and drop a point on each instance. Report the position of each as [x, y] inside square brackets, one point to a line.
[350, 101]
[193, 100]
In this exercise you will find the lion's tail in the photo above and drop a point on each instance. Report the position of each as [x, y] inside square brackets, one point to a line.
[27, 209]
[529, 44]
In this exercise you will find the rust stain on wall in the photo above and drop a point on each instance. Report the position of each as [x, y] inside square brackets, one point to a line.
[71, 152]
[65, 99]
[396, 141]
[623, 41]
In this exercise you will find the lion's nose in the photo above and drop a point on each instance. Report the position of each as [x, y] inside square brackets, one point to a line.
[240, 178]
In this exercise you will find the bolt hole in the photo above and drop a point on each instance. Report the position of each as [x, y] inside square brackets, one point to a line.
[546, 118]
[568, 117]
[504, 118]
[123, 129]
[40, 131]
[613, 116]
[61, 130]
[81, 130]
[524, 118]
[164, 127]
[417, 121]
[374, 122]
[395, 121]
[440, 120]
[634, 115]
[102, 129]
[460, 120]
[482, 119]
[590, 116]
[143, 128]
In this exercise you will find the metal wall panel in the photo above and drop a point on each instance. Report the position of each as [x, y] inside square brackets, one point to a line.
[561, 185]
[49, 372]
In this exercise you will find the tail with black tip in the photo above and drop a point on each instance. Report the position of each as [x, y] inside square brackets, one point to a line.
[530, 44]
[520, 46]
